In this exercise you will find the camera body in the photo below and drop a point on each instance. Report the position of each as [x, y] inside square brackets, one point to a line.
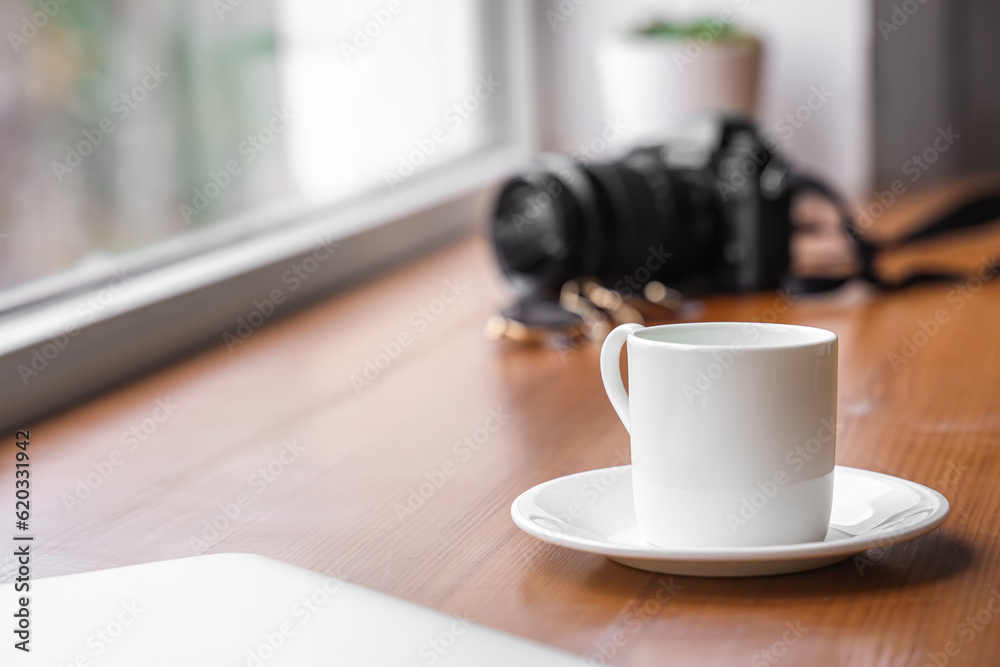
[708, 212]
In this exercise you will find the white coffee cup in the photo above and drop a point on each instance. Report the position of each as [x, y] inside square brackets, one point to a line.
[733, 430]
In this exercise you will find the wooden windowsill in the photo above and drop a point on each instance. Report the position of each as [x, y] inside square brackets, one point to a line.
[378, 484]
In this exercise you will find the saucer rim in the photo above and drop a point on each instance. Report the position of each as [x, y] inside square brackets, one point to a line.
[845, 547]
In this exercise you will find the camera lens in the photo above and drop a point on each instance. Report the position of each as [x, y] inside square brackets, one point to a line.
[535, 239]
[546, 226]
[634, 219]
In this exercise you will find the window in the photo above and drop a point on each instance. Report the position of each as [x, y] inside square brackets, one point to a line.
[386, 100]
[163, 164]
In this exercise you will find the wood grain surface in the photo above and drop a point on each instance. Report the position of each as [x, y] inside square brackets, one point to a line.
[206, 433]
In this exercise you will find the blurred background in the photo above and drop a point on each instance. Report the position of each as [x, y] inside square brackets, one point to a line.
[118, 121]
[892, 73]
[123, 126]
[194, 151]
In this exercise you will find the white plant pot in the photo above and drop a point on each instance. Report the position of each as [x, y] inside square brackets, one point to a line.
[652, 84]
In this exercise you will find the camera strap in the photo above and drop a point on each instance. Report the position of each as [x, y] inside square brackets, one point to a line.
[980, 210]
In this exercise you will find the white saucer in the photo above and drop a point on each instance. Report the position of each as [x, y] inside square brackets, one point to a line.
[592, 512]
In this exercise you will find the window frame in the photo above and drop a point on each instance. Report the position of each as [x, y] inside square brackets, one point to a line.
[75, 334]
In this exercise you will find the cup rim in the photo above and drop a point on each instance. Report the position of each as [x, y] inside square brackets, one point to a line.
[816, 336]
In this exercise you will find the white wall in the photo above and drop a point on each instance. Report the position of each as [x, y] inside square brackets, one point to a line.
[807, 43]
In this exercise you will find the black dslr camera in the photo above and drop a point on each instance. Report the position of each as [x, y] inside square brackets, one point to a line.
[707, 213]
[710, 212]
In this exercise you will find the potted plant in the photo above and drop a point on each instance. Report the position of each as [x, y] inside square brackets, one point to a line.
[656, 74]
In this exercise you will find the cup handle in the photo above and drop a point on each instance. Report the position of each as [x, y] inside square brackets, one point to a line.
[611, 369]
